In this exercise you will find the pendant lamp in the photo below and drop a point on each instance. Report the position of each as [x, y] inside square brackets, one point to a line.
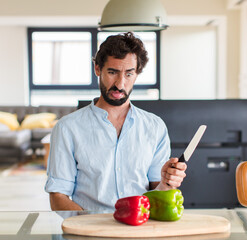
[133, 15]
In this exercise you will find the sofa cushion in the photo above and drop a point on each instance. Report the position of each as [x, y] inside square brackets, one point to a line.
[4, 127]
[39, 120]
[20, 111]
[10, 120]
[60, 111]
[14, 138]
[39, 133]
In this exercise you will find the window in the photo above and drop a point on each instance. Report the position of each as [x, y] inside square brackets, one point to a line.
[61, 58]
[61, 67]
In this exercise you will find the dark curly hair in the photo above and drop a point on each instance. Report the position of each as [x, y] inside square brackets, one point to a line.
[118, 46]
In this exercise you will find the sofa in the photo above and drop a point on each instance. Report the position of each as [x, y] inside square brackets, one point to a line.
[16, 143]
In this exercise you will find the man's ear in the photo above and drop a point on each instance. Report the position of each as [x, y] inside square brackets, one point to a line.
[97, 70]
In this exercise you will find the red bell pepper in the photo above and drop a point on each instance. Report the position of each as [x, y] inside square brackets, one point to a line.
[132, 210]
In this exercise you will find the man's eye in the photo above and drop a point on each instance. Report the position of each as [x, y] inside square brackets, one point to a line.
[129, 74]
[111, 72]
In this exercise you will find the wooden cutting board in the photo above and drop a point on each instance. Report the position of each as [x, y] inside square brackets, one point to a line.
[104, 225]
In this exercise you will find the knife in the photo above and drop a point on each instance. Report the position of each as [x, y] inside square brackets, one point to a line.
[193, 144]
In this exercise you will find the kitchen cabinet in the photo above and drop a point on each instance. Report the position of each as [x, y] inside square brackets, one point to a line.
[210, 180]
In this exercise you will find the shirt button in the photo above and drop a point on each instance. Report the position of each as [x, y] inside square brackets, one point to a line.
[119, 169]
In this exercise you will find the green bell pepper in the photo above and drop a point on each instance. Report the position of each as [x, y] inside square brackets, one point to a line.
[165, 205]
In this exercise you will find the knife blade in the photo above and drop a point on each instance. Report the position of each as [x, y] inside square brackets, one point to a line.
[193, 144]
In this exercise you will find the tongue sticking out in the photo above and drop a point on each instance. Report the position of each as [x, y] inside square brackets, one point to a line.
[117, 94]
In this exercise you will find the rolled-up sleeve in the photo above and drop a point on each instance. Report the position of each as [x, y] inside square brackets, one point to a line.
[61, 168]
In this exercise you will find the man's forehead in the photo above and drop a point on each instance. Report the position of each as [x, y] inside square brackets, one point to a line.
[128, 60]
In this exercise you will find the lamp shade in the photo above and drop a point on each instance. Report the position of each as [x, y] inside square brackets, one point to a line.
[133, 15]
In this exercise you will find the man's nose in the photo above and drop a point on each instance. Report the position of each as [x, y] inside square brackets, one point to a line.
[120, 81]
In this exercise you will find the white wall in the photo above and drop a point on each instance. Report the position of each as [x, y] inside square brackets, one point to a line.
[13, 66]
[189, 63]
[16, 15]
[51, 7]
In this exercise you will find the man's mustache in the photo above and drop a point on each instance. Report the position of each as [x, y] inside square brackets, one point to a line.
[114, 88]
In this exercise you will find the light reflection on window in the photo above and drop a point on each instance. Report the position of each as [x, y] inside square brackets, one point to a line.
[61, 58]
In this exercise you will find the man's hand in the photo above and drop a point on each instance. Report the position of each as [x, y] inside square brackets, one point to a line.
[172, 174]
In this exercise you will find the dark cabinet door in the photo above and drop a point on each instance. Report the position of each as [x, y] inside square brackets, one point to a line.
[210, 180]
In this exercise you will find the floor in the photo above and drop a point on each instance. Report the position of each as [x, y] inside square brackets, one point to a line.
[23, 192]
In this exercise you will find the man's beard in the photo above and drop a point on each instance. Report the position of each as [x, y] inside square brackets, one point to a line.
[114, 102]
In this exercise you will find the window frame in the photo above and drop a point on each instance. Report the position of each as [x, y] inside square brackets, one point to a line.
[94, 83]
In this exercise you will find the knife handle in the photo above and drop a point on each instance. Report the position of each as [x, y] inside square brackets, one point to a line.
[181, 159]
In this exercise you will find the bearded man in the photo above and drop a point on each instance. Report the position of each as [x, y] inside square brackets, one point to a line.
[111, 149]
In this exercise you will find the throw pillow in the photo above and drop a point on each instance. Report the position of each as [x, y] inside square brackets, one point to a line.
[4, 128]
[39, 120]
[10, 120]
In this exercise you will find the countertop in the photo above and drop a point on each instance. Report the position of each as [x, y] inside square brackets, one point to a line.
[47, 225]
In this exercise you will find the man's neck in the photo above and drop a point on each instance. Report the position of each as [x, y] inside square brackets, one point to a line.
[116, 114]
[114, 111]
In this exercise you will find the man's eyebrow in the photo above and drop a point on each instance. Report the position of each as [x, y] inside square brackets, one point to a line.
[116, 70]
[113, 69]
[131, 69]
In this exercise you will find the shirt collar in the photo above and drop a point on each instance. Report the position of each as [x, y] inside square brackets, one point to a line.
[98, 110]
[131, 113]
[132, 110]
